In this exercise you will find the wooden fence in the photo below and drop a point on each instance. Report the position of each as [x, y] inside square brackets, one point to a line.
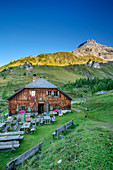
[20, 159]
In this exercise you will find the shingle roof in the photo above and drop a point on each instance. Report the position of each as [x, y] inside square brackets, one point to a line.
[40, 82]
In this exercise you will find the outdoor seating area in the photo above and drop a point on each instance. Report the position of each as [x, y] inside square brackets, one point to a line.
[12, 128]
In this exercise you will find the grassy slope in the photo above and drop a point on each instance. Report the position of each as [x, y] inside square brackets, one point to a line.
[54, 59]
[43, 133]
[54, 74]
[90, 144]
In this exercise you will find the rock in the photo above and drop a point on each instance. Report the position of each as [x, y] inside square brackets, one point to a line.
[60, 161]
[12, 61]
[21, 66]
[90, 128]
[38, 65]
[101, 92]
[28, 66]
[96, 65]
[93, 64]
[38, 157]
[89, 63]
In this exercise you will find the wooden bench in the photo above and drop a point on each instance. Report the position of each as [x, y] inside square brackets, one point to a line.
[10, 138]
[12, 133]
[33, 128]
[20, 159]
[9, 145]
[62, 128]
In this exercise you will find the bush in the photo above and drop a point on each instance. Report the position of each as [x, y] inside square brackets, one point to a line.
[4, 94]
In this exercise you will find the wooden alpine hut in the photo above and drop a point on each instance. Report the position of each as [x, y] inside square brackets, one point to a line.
[36, 95]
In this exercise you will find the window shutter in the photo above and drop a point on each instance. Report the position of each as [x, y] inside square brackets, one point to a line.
[29, 93]
[46, 93]
[52, 93]
[58, 93]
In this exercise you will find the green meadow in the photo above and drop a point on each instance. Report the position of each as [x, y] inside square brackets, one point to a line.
[58, 75]
[89, 146]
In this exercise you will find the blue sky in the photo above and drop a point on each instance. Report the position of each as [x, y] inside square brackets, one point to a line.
[31, 27]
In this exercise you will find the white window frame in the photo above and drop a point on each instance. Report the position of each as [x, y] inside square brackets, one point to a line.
[33, 93]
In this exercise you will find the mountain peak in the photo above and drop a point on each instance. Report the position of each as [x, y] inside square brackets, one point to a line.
[91, 41]
[91, 47]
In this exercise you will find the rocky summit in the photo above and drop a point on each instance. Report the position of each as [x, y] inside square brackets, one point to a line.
[90, 47]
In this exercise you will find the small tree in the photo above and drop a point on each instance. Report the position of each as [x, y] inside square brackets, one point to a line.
[4, 93]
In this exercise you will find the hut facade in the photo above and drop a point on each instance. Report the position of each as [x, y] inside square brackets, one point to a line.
[37, 96]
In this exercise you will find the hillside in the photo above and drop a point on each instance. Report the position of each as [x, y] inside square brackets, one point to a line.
[17, 77]
[89, 146]
[53, 59]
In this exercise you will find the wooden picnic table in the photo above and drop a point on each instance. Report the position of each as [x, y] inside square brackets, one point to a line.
[47, 120]
[26, 126]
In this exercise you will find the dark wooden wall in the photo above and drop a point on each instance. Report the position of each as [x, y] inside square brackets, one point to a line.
[24, 99]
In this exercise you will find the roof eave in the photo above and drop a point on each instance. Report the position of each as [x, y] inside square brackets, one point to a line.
[15, 94]
[41, 87]
[65, 94]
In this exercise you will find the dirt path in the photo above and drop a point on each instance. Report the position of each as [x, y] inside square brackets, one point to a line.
[77, 110]
[105, 125]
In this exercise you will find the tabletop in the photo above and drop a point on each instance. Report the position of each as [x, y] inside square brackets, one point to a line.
[2, 124]
[9, 138]
[47, 117]
[9, 120]
[26, 126]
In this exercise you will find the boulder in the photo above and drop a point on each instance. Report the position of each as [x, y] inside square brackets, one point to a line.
[96, 65]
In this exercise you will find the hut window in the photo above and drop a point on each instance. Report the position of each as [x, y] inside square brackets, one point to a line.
[23, 108]
[49, 93]
[55, 93]
[33, 93]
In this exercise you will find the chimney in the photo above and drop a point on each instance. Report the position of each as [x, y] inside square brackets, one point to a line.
[34, 77]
